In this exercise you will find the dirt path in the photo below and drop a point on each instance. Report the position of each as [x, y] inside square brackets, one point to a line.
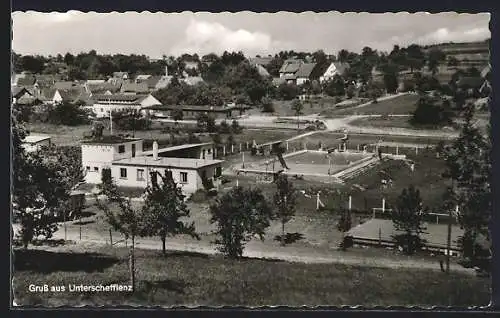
[257, 249]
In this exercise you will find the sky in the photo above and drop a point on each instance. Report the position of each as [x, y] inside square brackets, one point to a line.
[157, 34]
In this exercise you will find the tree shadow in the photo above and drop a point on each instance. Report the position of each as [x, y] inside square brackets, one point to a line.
[47, 262]
[290, 238]
[50, 242]
[185, 253]
[166, 284]
[83, 222]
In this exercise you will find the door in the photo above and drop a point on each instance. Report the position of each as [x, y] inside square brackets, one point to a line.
[133, 150]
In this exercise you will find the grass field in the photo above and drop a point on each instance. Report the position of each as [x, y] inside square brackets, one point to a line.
[284, 108]
[197, 280]
[401, 105]
[398, 122]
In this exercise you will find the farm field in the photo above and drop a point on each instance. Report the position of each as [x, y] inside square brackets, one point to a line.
[183, 278]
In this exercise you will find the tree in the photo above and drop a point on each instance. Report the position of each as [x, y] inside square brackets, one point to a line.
[429, 113]
[126, 219]
[287, 91]
[32, 64]
[267, 105]
[41, 188]
[297, 108]
[434, 58]
[131, 119]
[239, 215]
[177, 114]
[452, 61]
[390, 74]
[468, 164]
[408, 218]
[335, 86]
[344, 224]
[224, 127]
[163, 208]
[285, 201]
[235, 127]
[206, 123]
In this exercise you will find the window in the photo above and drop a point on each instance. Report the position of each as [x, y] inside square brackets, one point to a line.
[96, 169]
[209, 151]
[218, 172]
[121, 148]
[102, 110]
[140, 174]
[184, 177]
[123, 173]
[88, 168]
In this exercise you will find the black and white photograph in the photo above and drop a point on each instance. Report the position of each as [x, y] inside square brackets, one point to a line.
[251, 159]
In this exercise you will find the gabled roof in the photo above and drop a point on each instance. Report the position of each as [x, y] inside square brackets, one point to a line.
[262, 70]
[305, 70]
[103, 98]
[45, 80]
[163, 82]
[260, 60]
[192, 80]
[142, 77]
[98, 88]
[152, 81]
[65, 85]
[96, 81]
[26, 80]
[341, 67]
[74, 94]
[486, 71]
[120, 74]
[135, 88]
[291, 66]
[19, 91]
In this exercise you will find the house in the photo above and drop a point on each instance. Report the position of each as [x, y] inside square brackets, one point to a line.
[44, 81]
[25, 80]
[142, 77]
[33, 143]
[262, 61]
[121, 75]
[193, 111]
[191, 65]
[305, 73]
[335, 68]
[290, 67]
[65, 85]
[19, 93]
[262, 70]
[77, 94]
[132, 167]
[134, 88]
[106, 103]
[103, 88]
[192, 80]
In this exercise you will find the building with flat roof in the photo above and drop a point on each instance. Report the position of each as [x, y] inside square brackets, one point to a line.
[192, 166]
[34, 142]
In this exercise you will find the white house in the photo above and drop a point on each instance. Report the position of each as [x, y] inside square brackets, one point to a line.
[35, 142]
[106, 103]
[335, 68]
[132, 167]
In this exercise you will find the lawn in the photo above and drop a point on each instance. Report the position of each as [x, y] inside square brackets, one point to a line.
[397, 122]
[200, 280]
[313, 106]
[401, 105]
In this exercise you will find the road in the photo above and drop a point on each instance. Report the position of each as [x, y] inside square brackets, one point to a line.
[259, 250]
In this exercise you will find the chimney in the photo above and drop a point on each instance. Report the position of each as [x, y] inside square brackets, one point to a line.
[155, 150]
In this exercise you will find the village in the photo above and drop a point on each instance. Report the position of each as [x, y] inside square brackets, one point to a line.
[329, 164]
